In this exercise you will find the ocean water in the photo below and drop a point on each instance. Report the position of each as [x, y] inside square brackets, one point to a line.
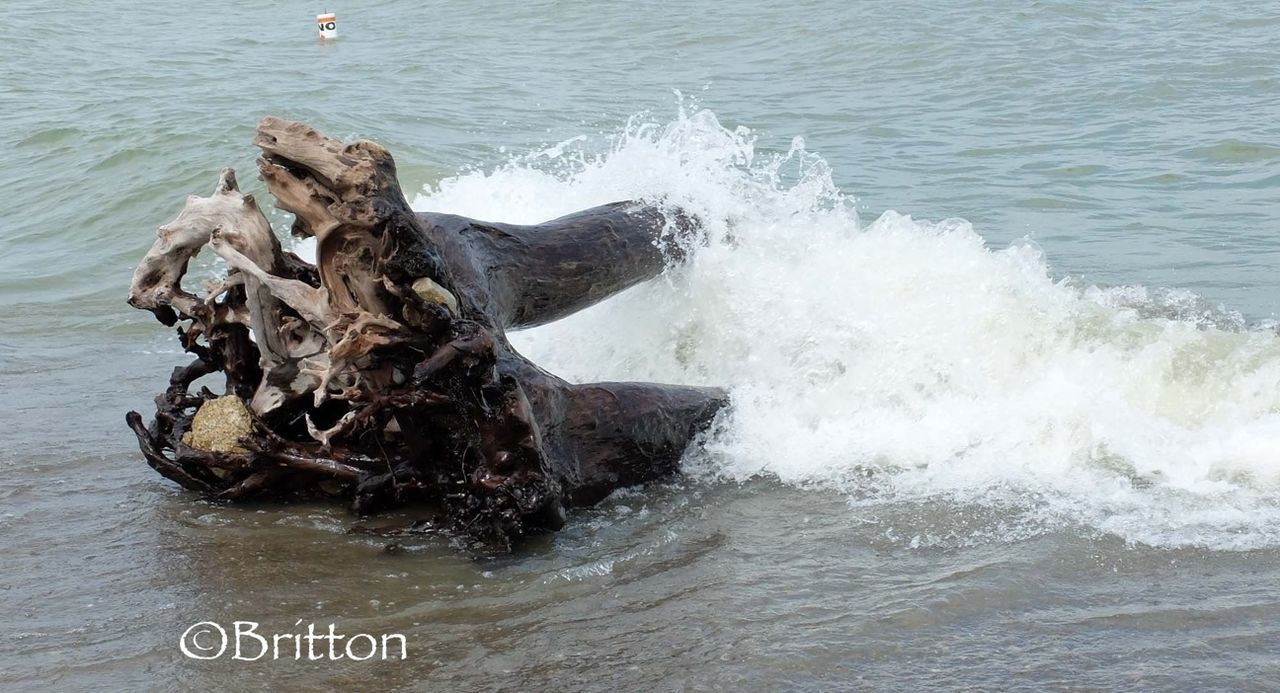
[993, 286]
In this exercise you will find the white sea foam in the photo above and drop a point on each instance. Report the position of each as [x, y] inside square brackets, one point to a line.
[903, 359]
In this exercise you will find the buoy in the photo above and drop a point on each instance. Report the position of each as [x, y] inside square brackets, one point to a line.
[328, 23]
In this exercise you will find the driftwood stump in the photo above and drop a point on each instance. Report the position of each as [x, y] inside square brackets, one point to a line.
[382, 375]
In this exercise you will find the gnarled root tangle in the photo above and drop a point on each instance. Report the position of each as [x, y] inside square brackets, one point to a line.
[382, 374]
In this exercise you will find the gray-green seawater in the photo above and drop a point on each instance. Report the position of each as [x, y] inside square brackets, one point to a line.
[1037, 449]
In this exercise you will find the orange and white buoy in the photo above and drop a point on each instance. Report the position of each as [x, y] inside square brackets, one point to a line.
[328, 23]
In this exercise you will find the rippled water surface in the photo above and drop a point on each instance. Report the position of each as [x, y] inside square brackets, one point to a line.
[993, 285]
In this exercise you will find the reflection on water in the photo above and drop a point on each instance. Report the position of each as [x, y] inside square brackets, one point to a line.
[684, 585]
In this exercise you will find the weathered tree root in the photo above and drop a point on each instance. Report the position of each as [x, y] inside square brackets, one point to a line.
[383, 375]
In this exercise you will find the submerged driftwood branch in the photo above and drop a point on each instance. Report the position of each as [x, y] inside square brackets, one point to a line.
[383, 374]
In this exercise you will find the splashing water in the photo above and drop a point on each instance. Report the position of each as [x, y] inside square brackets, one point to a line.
[904, 360]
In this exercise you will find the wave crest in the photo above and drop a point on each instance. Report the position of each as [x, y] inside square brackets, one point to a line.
[904, 360]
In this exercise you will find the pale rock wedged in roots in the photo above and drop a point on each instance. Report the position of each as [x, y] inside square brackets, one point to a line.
[382, 374]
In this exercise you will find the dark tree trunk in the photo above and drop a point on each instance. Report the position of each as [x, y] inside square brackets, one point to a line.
[383, 374]
[532, 275]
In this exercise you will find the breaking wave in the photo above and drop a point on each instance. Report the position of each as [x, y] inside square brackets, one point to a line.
[903, 360]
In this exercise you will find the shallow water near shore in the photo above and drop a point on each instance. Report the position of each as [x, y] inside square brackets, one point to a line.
[993, 285]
